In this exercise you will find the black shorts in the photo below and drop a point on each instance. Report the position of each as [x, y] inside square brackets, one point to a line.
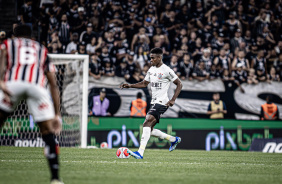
[156, 110]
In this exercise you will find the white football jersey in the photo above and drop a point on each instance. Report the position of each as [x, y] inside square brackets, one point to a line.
[160, 79]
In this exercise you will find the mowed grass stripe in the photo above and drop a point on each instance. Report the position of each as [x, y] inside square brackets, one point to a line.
[28, 165]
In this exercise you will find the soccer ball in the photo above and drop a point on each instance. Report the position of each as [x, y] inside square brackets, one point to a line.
[104, 145]
[122, 153]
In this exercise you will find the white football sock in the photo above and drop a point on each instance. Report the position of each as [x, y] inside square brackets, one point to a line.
[144, 140]
[162, 135]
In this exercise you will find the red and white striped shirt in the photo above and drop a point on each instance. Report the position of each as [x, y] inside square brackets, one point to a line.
[27, 61]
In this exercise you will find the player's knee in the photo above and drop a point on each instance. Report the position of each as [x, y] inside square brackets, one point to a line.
[45, 127]
[149, 121]
[146, 124]
[45, 130]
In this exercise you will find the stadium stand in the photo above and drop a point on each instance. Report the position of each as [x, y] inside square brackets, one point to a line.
[248, 33]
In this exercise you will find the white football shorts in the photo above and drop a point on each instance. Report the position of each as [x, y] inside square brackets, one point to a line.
[38, 100]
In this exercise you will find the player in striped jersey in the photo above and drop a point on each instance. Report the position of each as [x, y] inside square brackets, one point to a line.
[24, 72]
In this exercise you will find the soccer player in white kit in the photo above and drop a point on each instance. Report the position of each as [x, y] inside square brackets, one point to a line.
[160, 76]
[24, 68]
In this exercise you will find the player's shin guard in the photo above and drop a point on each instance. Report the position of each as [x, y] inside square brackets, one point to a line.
[162, 135]
[51, 152]
[144, 140]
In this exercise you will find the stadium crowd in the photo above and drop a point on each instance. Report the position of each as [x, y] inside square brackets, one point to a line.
[201, 39]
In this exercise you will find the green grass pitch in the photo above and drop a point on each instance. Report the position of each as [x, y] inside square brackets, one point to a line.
[101, 166]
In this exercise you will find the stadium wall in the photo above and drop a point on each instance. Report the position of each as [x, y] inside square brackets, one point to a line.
[203, 134]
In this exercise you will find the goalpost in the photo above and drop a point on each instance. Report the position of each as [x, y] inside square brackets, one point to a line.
[72, 80]
[81, 63]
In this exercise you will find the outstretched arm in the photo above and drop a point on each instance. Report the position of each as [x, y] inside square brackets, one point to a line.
[141, 84]
[3, 86]
[178, 83]
[57, 123]
[54, 91]
[2, 63]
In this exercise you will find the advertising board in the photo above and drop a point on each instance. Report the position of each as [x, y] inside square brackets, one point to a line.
[203, 134]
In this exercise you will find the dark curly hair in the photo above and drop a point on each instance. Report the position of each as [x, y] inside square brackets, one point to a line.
[157, 51]
[22, 31]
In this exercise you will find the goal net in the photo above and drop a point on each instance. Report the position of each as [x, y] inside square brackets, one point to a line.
[72, 79]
